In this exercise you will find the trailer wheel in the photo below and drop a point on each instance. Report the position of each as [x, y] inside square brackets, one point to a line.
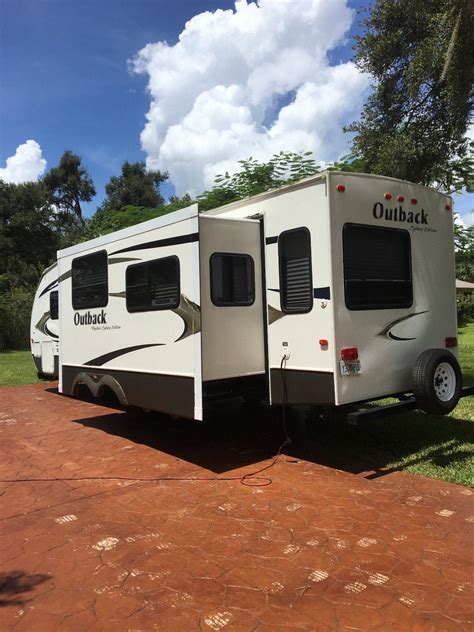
[437, 381]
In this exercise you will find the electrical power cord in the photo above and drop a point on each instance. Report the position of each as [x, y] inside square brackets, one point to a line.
[249, 480]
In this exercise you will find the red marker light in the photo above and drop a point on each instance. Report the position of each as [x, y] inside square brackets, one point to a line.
[341, 188]
[349, 354]
[447, 207]
[450, 342]
[400, 198]
[414, 201]
[387, 196]
[323, 342]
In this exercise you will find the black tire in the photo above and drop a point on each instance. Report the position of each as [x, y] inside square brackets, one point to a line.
[442, 398]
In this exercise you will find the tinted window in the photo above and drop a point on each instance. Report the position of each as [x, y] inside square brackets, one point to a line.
[296, 283]
[89, 281]
[54, 305]
[232, 279]
[377, 267]
[153, 285]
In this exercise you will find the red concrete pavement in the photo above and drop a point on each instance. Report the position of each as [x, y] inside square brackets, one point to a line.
[318, 549]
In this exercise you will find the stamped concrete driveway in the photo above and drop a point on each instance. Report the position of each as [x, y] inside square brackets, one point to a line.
[317, 549]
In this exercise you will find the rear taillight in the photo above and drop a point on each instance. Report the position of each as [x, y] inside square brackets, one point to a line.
[450, 342]
[349, 354]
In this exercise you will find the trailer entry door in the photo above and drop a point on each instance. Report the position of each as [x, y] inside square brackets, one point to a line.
[233, 308]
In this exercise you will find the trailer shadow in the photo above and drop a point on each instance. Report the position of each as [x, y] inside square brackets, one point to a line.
[230, 441]
[379, 447]
[240, 436]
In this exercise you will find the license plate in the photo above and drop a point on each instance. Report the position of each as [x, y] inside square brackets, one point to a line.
[350, 368]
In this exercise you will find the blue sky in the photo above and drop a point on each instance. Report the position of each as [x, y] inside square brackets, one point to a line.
[66, 84]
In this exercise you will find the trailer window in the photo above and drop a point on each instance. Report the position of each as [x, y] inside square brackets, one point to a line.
[377, 267]
[54, 305]
[296, 282]
[90, 281]
[153, 285]
[232, 279]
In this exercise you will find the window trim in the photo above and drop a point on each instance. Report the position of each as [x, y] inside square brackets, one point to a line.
[368, 308]
[153, 308]
[90, 254]
[50, 311]
[232, 254]
[280, 270]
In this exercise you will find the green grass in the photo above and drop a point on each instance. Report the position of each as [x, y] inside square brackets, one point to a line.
[16, 367]
[438, 447]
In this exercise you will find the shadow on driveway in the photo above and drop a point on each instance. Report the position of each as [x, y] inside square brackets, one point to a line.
[14, 585]
[240, 436]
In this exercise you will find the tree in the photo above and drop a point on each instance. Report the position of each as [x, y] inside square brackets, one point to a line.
[28, 240]
[464, 248]
[69, 184]
[28, 243]
[256, 177]
[414, 124]
[108, 222]
[136, 186]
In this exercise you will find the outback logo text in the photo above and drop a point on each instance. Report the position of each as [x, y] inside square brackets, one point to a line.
[398, 214]
[90, 319]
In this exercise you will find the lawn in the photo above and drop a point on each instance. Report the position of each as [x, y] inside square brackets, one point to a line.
[16, 367]
[439, 447]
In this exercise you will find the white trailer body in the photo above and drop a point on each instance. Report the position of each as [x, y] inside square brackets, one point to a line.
[332, 287]
[44, 325]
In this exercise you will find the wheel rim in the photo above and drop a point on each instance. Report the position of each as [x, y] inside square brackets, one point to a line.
[444, 381]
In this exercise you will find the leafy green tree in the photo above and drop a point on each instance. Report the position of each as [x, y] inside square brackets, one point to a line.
[110, 221]
[464, 247]
[255, 177]
[15, 313]
[28, 241]
[414, 124]
[28, 244]
[135, 187]
[69, 184]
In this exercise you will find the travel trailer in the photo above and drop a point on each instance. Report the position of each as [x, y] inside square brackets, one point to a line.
[44, 325]
[334, 291]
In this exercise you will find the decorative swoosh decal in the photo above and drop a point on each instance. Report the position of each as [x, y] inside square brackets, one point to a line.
[274, 314]
[386, 330]
[394, 337]
[170, 241]
[318, 292]
[64, 276]
[110, 261]
[103, 359]
[190, 313]
[49, 287]
[48, 332]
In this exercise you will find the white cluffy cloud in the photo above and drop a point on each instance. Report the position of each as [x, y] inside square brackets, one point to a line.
[26, 165]
[247, 82]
